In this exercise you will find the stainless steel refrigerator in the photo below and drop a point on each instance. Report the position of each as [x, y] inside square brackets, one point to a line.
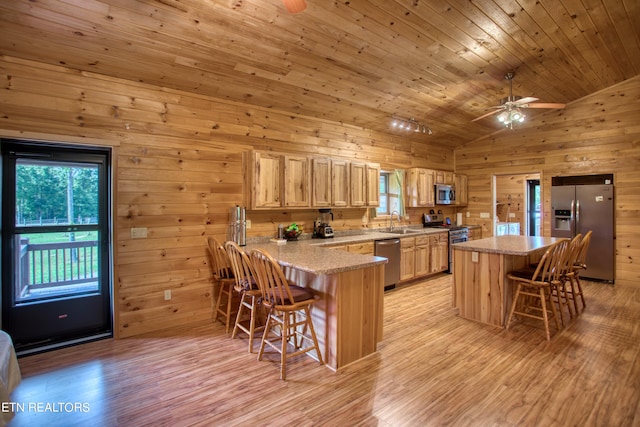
[580, 204]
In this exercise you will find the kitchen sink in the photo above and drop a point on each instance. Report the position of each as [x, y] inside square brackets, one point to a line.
[401, 231]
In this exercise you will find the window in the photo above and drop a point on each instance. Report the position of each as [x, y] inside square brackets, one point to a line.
[389, 193]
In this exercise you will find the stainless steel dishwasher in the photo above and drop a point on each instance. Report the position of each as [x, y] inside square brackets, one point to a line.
[389, 249]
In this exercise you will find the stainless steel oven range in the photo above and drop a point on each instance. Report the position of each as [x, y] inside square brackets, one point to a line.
[457, 234]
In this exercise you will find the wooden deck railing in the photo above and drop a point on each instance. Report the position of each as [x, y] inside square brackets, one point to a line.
[49, 265]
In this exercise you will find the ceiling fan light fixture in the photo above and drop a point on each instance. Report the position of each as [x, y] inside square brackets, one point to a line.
[516, 115]
[508, 117]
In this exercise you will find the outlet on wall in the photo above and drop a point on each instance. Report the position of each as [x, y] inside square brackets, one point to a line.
[167, 294]
[139, 233]
[484, 215]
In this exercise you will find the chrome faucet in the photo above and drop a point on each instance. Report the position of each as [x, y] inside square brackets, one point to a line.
[391, 219]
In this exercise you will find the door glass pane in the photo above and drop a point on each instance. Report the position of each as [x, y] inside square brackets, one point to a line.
[61, 200]
[55, 194]
[52, 265]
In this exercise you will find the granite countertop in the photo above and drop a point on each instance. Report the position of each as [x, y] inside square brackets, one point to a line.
[508, 245]
[315, 259]
[309, 255]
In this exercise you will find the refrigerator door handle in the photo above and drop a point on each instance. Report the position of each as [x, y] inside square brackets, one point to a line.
[577, 216]
[572, 222]
[571, 218]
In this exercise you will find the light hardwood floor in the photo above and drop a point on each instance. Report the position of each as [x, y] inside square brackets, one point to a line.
[432, 368]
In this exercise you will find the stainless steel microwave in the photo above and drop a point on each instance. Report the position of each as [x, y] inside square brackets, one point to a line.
[445, 194]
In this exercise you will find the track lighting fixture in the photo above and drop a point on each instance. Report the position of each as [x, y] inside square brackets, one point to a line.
[410, 125]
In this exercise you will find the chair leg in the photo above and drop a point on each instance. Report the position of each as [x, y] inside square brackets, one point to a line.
[265, 335]
[308, 321]
[545, 315]
[238, 316]
[252, 321]
[218, 301]
[513, 304]
[227, 322]
[285, 338]
[579, 292]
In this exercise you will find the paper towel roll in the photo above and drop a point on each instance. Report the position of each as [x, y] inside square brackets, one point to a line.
[459, 218]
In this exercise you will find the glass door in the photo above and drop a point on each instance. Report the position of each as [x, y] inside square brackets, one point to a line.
[55, 244]
[533, 207]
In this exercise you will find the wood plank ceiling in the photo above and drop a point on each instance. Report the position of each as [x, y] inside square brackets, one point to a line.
[359, 62]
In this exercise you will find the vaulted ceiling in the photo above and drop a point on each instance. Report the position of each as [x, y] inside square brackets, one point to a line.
[360, 62]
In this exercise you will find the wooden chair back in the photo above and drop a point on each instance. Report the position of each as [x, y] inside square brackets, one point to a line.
[271, 280]
[572, 250]
[550, 266]
[581, 258]
[221, 266]
[242, 268]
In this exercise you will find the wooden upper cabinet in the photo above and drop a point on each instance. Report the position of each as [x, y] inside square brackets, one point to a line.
[462, 193]
[321, 182]
[358, 184]
[444, 177]
[419, 188]
[340, 183]
[373, 184]
[297, 191]
[267, 175]
[280, 180]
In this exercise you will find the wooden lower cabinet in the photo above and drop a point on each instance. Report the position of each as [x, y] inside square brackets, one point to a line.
[422, 256]
[407, 259]
[365, 248]
[439, 245]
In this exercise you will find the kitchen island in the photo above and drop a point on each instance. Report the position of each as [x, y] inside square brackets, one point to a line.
[348, 318]
[481, 289]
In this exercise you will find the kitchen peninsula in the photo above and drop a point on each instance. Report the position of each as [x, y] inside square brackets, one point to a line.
[348, 318]
[481, 289]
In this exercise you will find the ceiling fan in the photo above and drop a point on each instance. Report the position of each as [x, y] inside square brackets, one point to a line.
[510, 107]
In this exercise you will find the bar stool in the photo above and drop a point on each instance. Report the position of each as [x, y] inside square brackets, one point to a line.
[559, 289]
[533, 290]
[223, 276]
[576, 267]
[247, 287]
[288, 309]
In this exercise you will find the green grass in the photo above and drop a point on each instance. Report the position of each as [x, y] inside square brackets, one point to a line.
[60, 237]
[53, 267]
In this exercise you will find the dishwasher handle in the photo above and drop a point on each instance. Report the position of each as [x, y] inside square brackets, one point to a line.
[387, 242]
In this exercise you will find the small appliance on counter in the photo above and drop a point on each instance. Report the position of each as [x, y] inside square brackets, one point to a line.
[321, 227]
[238, 226]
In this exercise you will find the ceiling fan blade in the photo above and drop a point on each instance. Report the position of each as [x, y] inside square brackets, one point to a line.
[546, 105]
[485, 115]
[524, 100]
